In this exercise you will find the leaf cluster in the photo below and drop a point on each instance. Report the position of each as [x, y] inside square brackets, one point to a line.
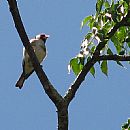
[108, 14]
[126, 125]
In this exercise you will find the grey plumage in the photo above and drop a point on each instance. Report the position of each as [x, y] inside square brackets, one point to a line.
[39, 48]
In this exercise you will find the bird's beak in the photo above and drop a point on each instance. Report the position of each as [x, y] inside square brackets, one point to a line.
[47, 36]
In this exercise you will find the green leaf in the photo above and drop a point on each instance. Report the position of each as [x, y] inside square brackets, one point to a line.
[126, 7]
[109, 51]
[121, 34]
[125, 125]
[107, 26]
[91, 22]
[74, 65]
[85, 20]
[104, 67]
[106, 4]
[88, 36]
[128, 44]
[119, 63]
[77, 64]
[80, 66]
[81, 60]
[99, 5]
[127, 1]
[122, 52]
[100, 36]
[88, 59]
[93, 49]
[128, 121]
[128, 39]
[92, 71]
[116, 42]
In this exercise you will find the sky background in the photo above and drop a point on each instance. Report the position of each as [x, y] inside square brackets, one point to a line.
[101, 103]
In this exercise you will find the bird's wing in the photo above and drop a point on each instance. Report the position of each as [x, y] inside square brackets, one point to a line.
[26, 75]
[25, 54]
[33, 42]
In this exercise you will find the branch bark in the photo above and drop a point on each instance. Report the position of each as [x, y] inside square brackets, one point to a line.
[57, 99]
[47, 86]
[114, 57]
[70, 94]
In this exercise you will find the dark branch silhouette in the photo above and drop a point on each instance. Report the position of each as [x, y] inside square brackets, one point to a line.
[114, 57]
[49, 89]
[52, 93]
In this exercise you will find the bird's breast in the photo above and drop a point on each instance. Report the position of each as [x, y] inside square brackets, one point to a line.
[40, 52]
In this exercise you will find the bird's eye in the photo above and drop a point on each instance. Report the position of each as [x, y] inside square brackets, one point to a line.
[43, 36]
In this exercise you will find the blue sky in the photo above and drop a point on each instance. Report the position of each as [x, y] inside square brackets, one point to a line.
[100, 103]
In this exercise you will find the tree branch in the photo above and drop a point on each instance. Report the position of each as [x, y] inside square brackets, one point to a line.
[114, 57]
[47, 86]
[80, 78]
[102, 44]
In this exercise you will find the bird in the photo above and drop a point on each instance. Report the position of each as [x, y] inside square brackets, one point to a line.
[38, 45]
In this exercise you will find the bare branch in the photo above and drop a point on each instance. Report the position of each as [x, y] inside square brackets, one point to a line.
[47, 86]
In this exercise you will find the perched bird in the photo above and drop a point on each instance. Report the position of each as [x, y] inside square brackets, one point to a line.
[38, 44]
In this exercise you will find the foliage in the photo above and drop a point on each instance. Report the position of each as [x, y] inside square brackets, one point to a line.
[107, 15]
[126, 125]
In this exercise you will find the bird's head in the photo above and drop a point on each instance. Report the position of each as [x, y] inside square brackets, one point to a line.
[42, 37]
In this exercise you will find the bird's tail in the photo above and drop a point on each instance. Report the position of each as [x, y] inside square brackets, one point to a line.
[21, 80]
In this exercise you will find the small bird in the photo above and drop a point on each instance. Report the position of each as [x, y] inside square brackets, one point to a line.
[38, 44]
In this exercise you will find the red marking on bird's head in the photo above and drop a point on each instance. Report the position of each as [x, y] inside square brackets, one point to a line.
[42, 36]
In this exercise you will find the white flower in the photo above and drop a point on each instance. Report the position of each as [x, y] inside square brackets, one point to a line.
[108, 15]
[94, 30]
[86, 51]
[84, 44]
[69, 69]
[122, 9]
